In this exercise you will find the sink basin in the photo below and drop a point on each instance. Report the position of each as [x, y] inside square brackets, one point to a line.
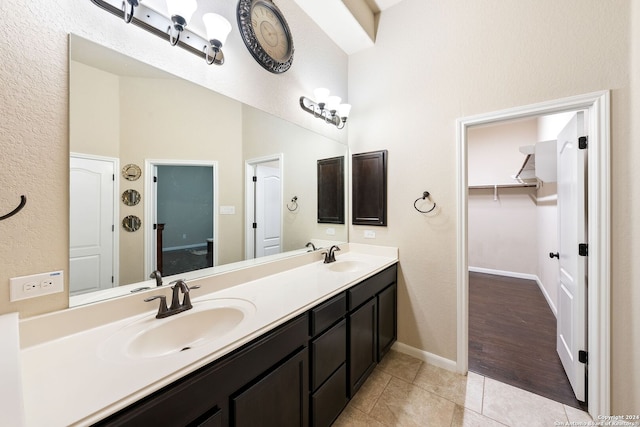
[346, 266]
[207, 321]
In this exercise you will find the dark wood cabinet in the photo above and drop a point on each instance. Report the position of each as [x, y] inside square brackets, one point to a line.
[300, 374]
[387, 319]
[331, 190]
[279, 399]
[363, 350]
[369, 188]
[372, 321]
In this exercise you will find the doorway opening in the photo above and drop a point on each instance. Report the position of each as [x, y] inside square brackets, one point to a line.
[180, 226]
[597, 230]
[263, 206]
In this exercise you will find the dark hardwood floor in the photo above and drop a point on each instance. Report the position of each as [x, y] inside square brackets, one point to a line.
[512, 337]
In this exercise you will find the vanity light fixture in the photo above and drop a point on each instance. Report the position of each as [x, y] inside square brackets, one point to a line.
[218, 28]
[180, 12]
[128, 17]
[326, 107]
[171, 24]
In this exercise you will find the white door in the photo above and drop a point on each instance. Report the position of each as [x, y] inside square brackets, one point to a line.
[91, 225]
[268, 210]
[572, 224]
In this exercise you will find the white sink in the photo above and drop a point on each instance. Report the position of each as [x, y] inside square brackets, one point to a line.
[207, 321]
[346, 266]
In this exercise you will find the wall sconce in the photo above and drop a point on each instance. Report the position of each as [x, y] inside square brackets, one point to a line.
[172, 26]
[326, 107]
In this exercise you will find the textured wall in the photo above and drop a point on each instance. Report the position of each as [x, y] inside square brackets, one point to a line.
[436, 61]
[34, 142]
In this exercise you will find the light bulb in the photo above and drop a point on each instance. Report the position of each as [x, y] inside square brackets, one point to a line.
[218, 28]
[321, 94]
[333, 102]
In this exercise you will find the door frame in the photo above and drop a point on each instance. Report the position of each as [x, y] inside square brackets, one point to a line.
[599, 226]
[249, 203]
[150, 202]
[116, 209]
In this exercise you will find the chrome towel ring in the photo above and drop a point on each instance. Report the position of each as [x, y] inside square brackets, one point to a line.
[425, 195]
[23, 201]
[293, 205]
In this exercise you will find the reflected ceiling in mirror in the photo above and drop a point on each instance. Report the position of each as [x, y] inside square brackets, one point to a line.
[124, 112]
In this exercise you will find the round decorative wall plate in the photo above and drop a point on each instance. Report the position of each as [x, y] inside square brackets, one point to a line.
[131, 223]
[266, 34]
[131, 172]
[130, 197]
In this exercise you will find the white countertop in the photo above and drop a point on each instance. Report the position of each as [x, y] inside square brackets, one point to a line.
[80, 378]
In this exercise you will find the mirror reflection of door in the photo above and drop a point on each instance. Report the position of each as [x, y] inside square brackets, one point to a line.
[92, 209]
[264, 207]
[184, 202]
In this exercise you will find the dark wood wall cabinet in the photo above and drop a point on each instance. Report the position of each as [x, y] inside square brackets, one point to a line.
[302, 373]
[331, 190]
[369, 188]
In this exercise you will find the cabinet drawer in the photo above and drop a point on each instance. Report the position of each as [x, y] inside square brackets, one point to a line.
[328, 352]
[371, 286]
[327, 313]
[330, 399]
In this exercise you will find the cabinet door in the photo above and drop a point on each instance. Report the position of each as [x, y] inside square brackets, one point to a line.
[387, 329]
[279, 399]
[363, 346]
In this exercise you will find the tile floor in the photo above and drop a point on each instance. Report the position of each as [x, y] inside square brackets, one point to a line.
[404, 391]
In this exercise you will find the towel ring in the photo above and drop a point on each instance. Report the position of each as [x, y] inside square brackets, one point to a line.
[23, 201]
[424, 196]
[293, 203]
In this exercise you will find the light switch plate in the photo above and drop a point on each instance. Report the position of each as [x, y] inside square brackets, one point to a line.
[35, 285]
[369, 234]
[227, 210]
[331, 231]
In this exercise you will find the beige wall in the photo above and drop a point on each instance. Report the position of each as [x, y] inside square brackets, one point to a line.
[34, 112]
[438, 61]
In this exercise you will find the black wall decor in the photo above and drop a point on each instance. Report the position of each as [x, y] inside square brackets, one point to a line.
[331, 190]
[369, 178]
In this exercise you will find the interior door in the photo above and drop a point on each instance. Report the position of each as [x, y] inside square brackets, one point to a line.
[91, 225]
[572, 223]
[268, 210]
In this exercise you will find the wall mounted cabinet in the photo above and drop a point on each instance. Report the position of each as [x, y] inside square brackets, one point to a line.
[331, 190]
[369, 188]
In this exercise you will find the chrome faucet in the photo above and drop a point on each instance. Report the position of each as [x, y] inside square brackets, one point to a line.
[176, 306]
[330, 255]
[313, 247]
[158, 276]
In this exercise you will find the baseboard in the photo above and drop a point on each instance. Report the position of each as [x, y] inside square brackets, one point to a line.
[519, 276]
[425, 356]
[504, 273]
[552, 306]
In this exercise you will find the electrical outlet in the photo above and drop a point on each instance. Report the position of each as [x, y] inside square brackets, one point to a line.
[35, 285]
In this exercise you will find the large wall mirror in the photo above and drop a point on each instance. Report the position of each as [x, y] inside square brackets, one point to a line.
[197, 152]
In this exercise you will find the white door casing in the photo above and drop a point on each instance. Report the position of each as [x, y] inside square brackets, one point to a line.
[572, 230]
[599, 228]
[92, 231]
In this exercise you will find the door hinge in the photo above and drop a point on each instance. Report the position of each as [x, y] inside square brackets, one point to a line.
[255, 225]
[155, 179]
[583, 142]
[113, 177]
[155, 226]
[583, 249]
[583, 357]
[255, 179]
[113, 228]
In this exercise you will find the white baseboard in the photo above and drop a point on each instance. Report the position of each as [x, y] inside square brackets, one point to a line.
[519, 276]
[425, 356]
[503, 273]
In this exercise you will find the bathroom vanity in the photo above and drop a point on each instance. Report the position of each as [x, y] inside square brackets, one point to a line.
[307, 339]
